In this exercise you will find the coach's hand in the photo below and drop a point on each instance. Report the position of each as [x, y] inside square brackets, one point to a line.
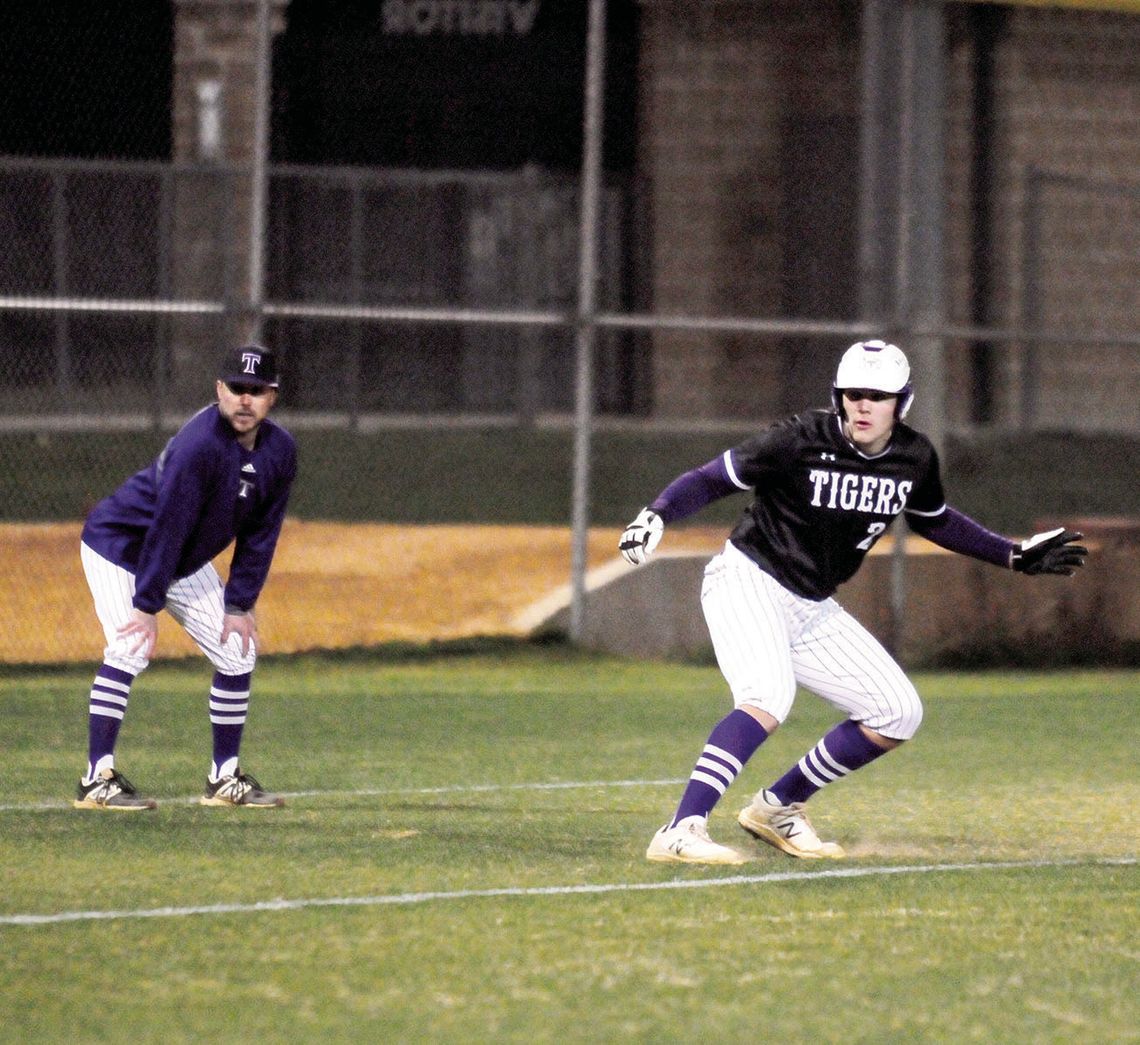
[641, 537]
[142, 628]
[244, 625]
[1050, 552]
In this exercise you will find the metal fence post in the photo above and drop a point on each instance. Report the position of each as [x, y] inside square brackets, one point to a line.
[1030, 296]
[919, 294]
[61, 258]
[259, 168]
[586, 317]
[356, 277]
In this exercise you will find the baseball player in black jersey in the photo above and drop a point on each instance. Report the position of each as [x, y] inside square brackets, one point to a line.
[826, 485]
[224, 478]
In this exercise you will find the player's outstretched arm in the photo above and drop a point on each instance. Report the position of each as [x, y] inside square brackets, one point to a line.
[641, 537]
[1051, 552]
[684, 496]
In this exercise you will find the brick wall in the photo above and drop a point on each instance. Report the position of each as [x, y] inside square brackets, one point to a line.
[721, 82]
[214, 41]
[1066, 127]
[1072, 111]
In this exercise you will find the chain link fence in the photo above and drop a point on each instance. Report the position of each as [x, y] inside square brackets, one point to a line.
[96, 317]
[427, 318]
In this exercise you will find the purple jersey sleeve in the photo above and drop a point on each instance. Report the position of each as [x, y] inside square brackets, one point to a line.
[952, 530]
[689, 493]
[256, 544]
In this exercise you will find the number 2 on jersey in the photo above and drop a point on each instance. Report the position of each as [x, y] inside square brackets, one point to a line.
[873, 532]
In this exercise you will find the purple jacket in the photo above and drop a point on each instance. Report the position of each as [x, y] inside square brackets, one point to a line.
[202, 492]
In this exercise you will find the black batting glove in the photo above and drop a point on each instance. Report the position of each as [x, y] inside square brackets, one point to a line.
[1050, 552]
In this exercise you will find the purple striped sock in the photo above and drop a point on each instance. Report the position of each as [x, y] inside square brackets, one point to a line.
[106, 707]
[229, 705]
[731, 744]
[840, 752]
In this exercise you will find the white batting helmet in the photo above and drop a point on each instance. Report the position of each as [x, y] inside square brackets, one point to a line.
[876, 365]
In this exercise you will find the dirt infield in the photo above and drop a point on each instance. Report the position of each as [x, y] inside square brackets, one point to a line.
[332, 586]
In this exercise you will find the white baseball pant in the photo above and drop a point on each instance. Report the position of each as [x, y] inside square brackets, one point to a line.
[768, 640]
[196, 602]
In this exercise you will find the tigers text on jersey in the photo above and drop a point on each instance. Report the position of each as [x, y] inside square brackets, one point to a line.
[820, 504]
[203, 491]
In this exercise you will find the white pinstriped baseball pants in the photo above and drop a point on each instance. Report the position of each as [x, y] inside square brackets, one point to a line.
[768, 640]
[196, 602]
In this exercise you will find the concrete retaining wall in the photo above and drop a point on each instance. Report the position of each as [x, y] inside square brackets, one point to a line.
[953, 605]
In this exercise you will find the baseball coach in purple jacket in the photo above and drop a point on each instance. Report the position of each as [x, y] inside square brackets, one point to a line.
[224, 477]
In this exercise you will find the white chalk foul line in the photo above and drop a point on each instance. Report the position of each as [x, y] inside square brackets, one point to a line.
[374, 792]
[406, 899]
[560, 785]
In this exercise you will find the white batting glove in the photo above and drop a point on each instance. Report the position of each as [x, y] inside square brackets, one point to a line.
[641, 537]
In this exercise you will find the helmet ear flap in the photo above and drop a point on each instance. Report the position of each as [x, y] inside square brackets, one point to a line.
[837, 402]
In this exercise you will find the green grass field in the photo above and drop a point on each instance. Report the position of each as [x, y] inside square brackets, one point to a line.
[461, 860]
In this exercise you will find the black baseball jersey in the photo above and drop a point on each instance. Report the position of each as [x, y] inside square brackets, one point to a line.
[820, 504]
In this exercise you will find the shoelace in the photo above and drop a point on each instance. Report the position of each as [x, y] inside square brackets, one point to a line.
[250, 781]
[124, 784]
[795, 811]
[235, 789]
[116, 784]
[700, 831]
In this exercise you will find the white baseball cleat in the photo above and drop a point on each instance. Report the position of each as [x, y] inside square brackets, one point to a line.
[786, 827]
[689, 843]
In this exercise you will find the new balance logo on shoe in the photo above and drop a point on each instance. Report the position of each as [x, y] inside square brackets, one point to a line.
[688, 842]
[787, 828]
